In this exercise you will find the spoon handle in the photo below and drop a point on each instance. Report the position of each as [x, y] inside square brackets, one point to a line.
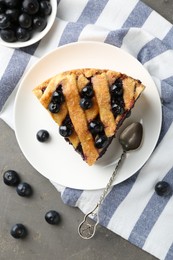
[87, 227]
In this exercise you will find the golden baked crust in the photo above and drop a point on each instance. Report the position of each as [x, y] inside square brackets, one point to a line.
[108, 107]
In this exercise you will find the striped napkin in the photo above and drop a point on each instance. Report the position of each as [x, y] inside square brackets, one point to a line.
[132, 209]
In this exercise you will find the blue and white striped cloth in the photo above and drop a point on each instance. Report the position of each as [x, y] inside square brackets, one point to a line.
[132, 209]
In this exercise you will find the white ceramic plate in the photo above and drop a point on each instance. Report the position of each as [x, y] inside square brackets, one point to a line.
[38, 35]
[56, 159]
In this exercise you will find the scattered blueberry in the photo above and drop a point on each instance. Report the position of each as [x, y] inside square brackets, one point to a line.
[65, 130]
[86, 103]
[101, 141]
[18, 231]
[96, 127]
[87, 91]
[163, 188]
[42, 135]
[11, 178]
[24, 189]
[52, 217]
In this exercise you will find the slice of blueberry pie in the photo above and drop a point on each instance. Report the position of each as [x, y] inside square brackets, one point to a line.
[89, 105]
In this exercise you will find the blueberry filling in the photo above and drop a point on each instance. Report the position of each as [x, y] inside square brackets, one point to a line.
[101, 141]
[58, 96]
[87, 91]
[57, 100]
[86, 103]
[65, 130]
[54, 107]
[117, 101]
[96, 127]
[117, 110]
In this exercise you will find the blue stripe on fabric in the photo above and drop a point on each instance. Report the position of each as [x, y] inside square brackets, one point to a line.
[70, 196]
[168, 39]
[138, 16]
[30, 49]
[116, 37]
[114, 198]
[89, 15]
[167, 105]
[169, 255]
[135, 19]
[12, 74]
[150, 215]
[151, 50]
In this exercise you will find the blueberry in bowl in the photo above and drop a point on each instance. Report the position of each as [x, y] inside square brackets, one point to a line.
[25, 22]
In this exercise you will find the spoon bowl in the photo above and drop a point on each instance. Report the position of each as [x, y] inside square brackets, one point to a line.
[131, 137]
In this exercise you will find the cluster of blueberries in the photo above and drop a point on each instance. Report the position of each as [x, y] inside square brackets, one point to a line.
[11, 178]
[19, 19]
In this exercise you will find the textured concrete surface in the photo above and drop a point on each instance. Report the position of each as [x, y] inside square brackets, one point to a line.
[45, 241]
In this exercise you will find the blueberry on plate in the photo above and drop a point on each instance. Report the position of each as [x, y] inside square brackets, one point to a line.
[42, 135]
[163, 188]
[11, 178]
[24, 189]
[52, 217]
[18, 231]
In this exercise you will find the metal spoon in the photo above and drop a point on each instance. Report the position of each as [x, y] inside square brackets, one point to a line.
[130, 139]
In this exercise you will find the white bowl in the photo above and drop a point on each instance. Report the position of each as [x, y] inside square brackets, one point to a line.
[37, 35]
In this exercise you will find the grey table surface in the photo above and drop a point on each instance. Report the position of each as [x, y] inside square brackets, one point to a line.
[46, 241]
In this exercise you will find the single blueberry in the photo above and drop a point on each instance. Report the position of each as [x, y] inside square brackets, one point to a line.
[18, 231]
[11, 178]
[42, 135]
[24, 189]
[52, 217]
[163, 188]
